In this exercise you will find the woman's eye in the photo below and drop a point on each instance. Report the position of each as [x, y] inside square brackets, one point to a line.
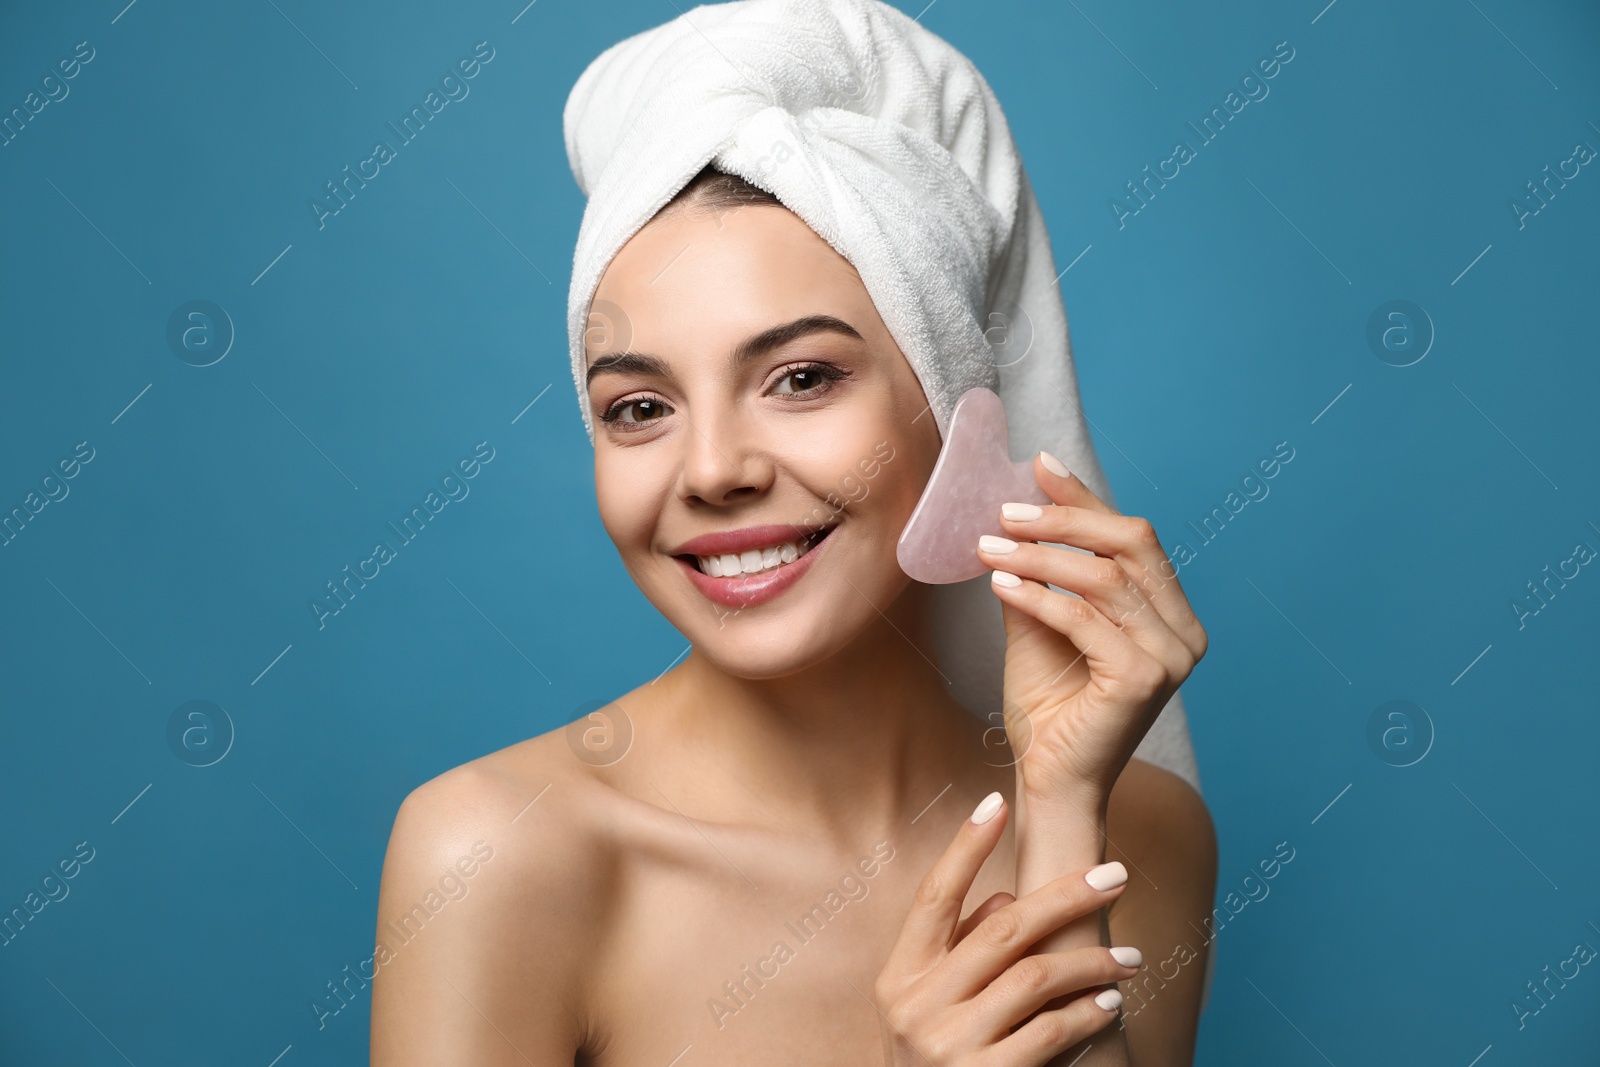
[646, 409]
[806, 379]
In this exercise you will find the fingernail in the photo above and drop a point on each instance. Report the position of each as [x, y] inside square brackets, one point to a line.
[998, 545]
[1107, 876]
[1021, 512]
[986, 808]
[1054, 465]
[1110, 999]
[1128, 956]
[1005, 578]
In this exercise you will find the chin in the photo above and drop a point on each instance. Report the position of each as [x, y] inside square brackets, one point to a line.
[775, 645]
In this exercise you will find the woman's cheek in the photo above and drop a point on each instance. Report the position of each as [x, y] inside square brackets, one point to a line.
[625, 498]
[902, 474]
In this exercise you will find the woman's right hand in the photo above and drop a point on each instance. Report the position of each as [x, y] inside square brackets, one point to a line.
[953, 993]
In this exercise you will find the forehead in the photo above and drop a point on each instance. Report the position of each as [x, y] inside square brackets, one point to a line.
[703, 280]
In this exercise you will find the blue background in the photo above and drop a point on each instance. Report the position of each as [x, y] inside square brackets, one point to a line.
[373, 353]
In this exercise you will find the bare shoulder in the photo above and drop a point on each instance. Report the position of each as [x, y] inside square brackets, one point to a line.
[1162, 810]
[496, 890]
[533, 790]
[1160, 828]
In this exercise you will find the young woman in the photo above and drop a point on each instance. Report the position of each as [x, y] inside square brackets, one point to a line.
[808, 852]
[803, 843]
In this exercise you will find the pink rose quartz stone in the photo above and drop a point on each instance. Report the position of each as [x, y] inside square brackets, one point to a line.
[973, 476]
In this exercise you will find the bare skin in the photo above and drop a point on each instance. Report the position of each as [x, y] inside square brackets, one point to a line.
[729, 888]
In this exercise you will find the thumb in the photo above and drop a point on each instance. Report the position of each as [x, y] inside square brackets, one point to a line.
[1021, 628]
[1029, 640]
[1039, 659]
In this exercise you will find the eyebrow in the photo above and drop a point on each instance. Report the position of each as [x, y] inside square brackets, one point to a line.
[751, 348]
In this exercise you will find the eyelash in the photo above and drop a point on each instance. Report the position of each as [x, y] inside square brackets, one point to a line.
[830, 376]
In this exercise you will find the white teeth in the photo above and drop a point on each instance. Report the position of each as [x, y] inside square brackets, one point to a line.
[753, 561]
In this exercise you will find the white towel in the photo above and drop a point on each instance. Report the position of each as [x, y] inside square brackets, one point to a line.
[889, 144]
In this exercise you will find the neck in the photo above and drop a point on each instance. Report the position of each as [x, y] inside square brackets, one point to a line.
[855, 746]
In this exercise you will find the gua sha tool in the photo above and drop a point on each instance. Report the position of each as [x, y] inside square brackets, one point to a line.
[973, 476]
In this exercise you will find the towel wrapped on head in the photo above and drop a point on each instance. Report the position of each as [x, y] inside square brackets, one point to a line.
[888, 143]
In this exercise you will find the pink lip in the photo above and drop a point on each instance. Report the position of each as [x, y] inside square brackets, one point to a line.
[749, 590]
[737, 541]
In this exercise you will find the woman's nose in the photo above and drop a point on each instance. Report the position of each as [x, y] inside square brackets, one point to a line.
[722, 462]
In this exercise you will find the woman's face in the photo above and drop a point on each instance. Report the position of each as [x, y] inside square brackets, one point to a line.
[750, 405]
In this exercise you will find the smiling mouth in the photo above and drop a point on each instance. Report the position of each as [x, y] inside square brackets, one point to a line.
[756, 560]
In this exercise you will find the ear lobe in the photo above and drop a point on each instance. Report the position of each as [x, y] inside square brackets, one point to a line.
[973, 476]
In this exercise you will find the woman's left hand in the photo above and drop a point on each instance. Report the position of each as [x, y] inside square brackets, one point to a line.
[1090, 674]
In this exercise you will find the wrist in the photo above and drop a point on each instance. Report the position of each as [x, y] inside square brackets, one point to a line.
[1056, 799]
[1057, 831]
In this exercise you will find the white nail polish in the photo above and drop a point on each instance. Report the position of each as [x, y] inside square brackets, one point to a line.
[1021, 512]
[1110, 999]
[998, 545]
[986, 808]
[1107, 876]
[1054, 465]
[1005, 578]
[1127, 955]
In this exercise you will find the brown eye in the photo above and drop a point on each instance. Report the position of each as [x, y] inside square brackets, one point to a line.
[646, 409]
[806, 379]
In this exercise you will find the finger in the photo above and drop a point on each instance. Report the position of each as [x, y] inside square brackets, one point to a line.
[1128, 539]
[1069, 490]
[1050, 1033]
[936, 908]
[1103, 583]
[1116, 661]
[984, 910]
[1098, 579]
[1064, 487]
[1034, 981]
[1002, 938]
